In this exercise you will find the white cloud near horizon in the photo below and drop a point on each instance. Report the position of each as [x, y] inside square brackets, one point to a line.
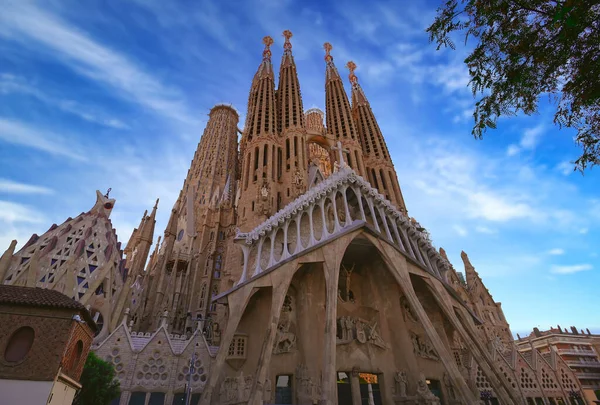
[13, 187]
[570, 269]
[556, 252]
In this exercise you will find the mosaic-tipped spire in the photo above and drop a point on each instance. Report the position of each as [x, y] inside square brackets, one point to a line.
[290, 111]
[379, 166]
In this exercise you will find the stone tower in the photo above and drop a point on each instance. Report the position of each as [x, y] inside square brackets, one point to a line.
[262, 151]
[186, 271]
[80, 258]
[291, 127]
[378, 163]
[339, 116]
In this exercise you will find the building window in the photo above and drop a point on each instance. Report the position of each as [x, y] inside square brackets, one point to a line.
[369, 389]
[283, 389]
[19, 344]
[180, 235]
[137, 398]
[237, 347]
[74, 361]
[344, 389]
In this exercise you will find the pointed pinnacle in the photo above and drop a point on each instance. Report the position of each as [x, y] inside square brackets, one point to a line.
[327, 46]
[352, 67]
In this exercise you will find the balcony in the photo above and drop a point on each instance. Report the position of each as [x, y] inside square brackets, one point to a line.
[577, 352]
[595, 376]
[581, 363]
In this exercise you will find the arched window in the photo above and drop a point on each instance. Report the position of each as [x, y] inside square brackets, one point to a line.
[19, 344]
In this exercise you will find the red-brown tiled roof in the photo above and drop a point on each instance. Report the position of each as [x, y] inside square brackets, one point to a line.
[36, 297]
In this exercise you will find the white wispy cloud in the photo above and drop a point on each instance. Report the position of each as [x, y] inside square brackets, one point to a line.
[9, 186]
[18, 133]
[570, 269]
[25, 23]
[486, 230]
[11, 212]
[529, 140]
[460, 230]
[11, 84]
[566, 167]
[556, 252]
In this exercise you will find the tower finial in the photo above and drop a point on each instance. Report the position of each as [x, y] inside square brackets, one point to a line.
[352, 67]
[107, 192]
[268, 41]
[287, 45]
[327, 46]
[156, 205]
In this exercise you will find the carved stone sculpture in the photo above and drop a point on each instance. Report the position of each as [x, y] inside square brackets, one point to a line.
[424, 394]
[407, 310]
[423, 348]
[285, 341]
[449, 387]
[401, 384]
[307, 390]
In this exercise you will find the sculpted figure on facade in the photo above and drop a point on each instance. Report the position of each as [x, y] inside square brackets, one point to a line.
[350, 329]
[407, 310]
[264, 199]
[401, 384]
[425, 396]
[285, 340]
[298, 183]
[449, 388]
[308, 391]
[423, 348]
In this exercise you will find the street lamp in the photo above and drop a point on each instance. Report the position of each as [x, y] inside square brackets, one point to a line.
[188, 388]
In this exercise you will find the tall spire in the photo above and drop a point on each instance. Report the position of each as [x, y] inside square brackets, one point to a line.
[379, 167]
[289, 99]
[339, 115]
[260, 118]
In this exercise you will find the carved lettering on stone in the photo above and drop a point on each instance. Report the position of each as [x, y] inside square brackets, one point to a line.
[350, 329]
[423, 348]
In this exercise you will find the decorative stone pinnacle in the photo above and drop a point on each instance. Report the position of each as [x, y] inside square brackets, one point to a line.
[107, 192]
[268, 41]
[156, 204]
[287, 45]
[327, 46]
[352, 67]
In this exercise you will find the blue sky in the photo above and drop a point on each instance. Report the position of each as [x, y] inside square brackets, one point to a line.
[101, 94]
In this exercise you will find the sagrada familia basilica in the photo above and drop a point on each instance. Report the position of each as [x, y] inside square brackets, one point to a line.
[289, 273]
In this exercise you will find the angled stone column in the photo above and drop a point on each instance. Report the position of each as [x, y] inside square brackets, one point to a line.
[331, 265]
[238, 301]
[286, 272]
[397, 264]
[478, 352]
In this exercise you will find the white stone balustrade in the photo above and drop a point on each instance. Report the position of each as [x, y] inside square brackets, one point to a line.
[341, 202]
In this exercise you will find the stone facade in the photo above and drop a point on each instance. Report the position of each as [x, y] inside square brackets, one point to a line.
[290, 273]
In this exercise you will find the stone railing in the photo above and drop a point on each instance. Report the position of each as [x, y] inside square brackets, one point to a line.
[342, 202]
